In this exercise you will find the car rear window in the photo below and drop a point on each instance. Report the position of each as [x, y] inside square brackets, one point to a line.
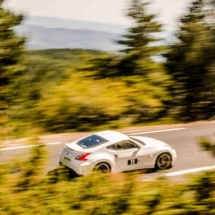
[91, 141]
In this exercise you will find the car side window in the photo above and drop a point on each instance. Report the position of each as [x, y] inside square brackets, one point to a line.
[124, 145]
[112, 147]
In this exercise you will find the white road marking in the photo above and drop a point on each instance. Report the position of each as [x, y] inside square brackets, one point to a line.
[158, 131]
[150, 179]
[17, 147]
[29, 146]
[183, 172]
[54, 143]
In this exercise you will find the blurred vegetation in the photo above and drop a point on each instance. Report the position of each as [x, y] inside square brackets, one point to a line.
[25, 190]
[207, 145]
[190, 62]
[57, 97]
[61, 90]
[67, 90]
[11, 48]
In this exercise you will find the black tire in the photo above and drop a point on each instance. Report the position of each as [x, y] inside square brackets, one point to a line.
[163, 161]
[102, 167]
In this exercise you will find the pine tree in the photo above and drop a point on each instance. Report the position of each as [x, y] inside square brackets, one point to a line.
[142, 41]
[11, 48]
[190, 63]
[136, 67]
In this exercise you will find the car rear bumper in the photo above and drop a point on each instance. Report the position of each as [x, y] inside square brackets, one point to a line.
[80, 167]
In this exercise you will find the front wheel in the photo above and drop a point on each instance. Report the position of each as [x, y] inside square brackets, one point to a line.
[164, 161]
[102, 167]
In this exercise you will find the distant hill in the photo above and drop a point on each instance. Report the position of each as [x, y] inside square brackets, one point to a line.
[49, 33]
[48, 38]
[52, 22]
[56, 33]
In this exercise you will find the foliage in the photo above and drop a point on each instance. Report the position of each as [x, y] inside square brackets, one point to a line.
[80, 103]
[45, 70]
[142, 42]
[136, 69]
[61, 94]
[207, 145]
[10, 67]
[62, 90]
[140, 37]
[190, 62]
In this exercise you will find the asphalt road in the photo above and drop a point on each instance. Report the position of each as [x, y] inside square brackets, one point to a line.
[190, 155]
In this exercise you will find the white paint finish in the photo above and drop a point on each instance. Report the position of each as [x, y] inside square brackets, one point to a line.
[158, 131]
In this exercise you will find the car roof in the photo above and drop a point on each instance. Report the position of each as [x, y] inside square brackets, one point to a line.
[112, 136]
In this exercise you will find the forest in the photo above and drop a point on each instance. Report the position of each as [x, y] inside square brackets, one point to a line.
[53, 91]
[61, 90]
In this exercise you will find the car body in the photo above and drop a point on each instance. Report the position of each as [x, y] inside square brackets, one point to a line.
[112, 151]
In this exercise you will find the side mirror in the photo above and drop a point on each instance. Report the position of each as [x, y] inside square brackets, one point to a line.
[138, 147]
[116, 155]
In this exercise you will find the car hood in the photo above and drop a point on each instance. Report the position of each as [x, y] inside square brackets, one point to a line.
[150, 141]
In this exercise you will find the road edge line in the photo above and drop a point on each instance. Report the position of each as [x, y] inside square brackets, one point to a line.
[157, 131]
[30, 146]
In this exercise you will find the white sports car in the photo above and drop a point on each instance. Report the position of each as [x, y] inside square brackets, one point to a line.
[111, 151]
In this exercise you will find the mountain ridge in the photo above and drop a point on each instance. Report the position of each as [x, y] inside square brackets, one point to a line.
[55, 22]
[48, 33]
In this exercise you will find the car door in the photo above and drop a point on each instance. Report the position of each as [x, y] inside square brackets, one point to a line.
[146, 155]
[127, 155]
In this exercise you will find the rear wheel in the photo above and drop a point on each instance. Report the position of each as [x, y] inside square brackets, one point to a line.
[164, 161]
[102, 167]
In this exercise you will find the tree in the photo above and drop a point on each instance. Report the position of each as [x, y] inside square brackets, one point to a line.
[11, 48]
[136, 67]
[190, 62]
[142, 41]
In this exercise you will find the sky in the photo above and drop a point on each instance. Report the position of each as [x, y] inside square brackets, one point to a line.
[107, 11]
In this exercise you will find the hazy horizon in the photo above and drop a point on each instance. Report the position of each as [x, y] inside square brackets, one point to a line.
[108, 12]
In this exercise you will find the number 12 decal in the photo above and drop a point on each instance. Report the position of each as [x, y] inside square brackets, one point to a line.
[132, 161]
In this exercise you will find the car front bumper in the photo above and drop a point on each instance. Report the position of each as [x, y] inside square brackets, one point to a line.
[174, 155]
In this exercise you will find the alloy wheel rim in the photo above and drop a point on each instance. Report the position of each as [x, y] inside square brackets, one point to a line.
[104, 168]
[164, 161]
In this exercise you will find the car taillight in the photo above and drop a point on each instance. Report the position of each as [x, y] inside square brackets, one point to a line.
[82, 157]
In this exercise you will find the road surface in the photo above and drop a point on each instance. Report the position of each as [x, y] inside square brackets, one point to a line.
[191, 158]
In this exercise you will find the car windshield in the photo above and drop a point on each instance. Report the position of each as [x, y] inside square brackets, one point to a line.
[91, 141]
[138, 141]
